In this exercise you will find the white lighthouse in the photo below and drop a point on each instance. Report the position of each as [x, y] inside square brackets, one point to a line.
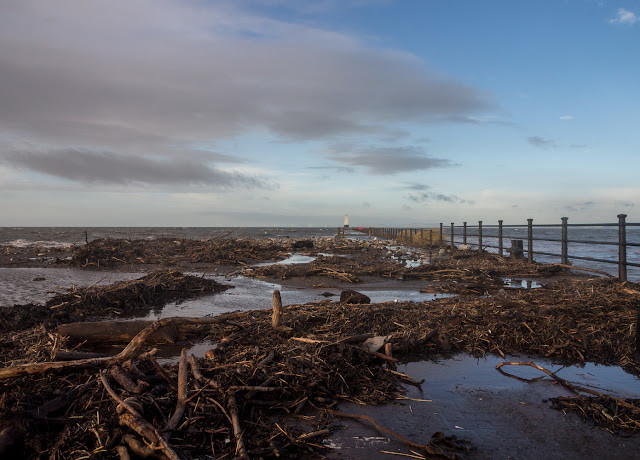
[346, 221]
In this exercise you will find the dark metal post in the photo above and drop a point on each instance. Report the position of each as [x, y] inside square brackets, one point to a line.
[464, 233]
[500, 249]
[452, 246]
[479, 235]
[565, 242]
[441, 240]
[622, 247]
[530, 240]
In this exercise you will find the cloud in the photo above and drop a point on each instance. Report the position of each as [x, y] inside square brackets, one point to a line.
[88, 72]
[624, 17]
[112, 168]
[418, 187]
[541, 142]
[422, 197]
[567, 117]
[580, 206]
[380, 160]
[339, 169]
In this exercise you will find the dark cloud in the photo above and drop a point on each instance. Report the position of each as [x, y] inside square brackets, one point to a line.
[421, 197]
[112, 168]
[94, 76]
[386, 160]
[541, 142]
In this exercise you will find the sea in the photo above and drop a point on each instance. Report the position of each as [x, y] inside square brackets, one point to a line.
[20, 286]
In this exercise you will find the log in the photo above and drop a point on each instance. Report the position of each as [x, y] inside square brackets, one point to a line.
[110, 332]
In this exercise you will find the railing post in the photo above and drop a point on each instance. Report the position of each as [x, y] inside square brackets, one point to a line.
[530, 240]
[479, 235]
[452, 246]
[500, 249]
[464, 233]
[441, 240]
[622, 247]
[565, 242]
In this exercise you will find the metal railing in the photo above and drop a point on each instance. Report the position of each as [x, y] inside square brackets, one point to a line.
[499, 232]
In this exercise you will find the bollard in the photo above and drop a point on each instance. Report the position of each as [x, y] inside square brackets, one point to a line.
[517, 249]
[452, 246]
[565, 242]
[622, 247]
[530, 240]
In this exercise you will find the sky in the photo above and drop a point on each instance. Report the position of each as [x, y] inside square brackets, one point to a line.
[297, 112]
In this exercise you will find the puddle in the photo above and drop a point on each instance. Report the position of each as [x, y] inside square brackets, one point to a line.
[247, 294]
[466, 372]
[514, 283]
[254, 294]
[503, 418]
[292, 259]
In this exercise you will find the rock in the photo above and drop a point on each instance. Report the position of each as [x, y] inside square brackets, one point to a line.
[303, 244]
[353, 297]
[327, 294]
[374, 343]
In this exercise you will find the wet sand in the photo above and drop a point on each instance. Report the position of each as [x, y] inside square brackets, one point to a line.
[502, 417]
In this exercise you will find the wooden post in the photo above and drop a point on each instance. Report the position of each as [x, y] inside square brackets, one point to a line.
[479, 235]
[441, 239]
[500, 247]
[277, 313]
[464, 233]
[430, 237]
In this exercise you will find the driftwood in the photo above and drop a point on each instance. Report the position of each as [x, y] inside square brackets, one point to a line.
[173, 422]
[131, 350]
[137, 423]
[276, 318]
[241, 451]
[114, 332]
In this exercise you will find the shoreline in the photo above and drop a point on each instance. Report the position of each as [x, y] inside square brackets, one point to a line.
[564, 319]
